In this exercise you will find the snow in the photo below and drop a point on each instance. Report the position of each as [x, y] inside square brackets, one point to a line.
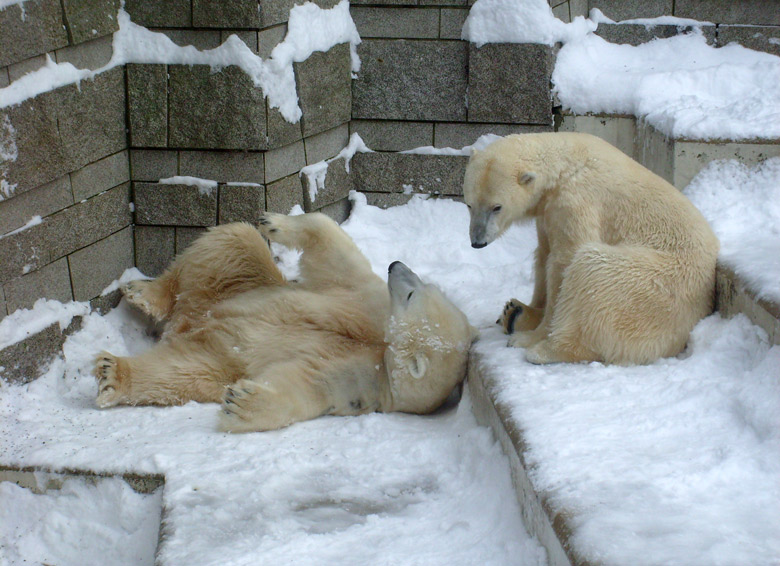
[680, 85]
[205, 186]
[677, 461]
[310, 29]
[728, 192]
[107, 520]
[317, 172]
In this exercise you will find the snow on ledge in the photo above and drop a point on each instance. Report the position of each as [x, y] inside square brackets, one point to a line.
[316, 172]
[205, 186]
[24, 323]
[309, 29]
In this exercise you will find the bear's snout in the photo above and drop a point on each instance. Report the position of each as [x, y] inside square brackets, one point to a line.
[478, 245]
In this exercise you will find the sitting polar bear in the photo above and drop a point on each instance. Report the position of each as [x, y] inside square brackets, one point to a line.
[275, 352]
[625, 264]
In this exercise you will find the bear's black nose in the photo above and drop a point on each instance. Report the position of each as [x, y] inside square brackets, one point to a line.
[478, 245]
[392, 265]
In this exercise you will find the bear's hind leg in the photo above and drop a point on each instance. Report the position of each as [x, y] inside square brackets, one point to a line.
[519, 317]
[154, 297]
[330, 257]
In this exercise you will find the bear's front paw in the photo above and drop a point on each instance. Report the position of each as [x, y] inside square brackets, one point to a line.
[512, 310]
[109, 385]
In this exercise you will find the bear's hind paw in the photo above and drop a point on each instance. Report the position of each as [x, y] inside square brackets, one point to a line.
[512, 310]
[107, 374]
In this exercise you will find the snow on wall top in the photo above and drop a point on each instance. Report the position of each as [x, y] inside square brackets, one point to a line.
[309, 29]
[680, 85]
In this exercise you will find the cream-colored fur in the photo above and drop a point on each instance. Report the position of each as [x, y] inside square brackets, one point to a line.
[275, 352]
[625, 264]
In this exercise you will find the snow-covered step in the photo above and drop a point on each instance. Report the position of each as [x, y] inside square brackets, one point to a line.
[676, 160]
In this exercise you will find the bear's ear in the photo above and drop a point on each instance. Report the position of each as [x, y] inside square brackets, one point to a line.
[526, 178]
[474, 152]
[418, 365]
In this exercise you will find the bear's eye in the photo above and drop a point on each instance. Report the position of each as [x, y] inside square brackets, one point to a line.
[409, 296]
[497, 208]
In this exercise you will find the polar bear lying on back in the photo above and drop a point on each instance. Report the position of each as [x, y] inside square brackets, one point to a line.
[340, 342]
[625, 264]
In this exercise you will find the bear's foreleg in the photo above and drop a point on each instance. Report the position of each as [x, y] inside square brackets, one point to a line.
[283, 394]
[519, 317]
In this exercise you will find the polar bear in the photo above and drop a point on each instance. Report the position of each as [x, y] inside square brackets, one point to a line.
[625, 264]
[338, 342]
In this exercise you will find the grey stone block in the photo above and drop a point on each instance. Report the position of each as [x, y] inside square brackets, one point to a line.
[241, 203]
[385, 2]
[411, 80]
[30, 130]
[338, 183]
[445, 3]
[4, 80]
[151, 13]
[91, 118]
[273, 12]
[636, 34]
[223, 166]
[88, 55]
[18, 70]
[280, 131]
[268, 39]
[391, 135]
[249, 38]
[154, 248]
[199, 38]
[338, 211]
[185, 235]
[100, 176]
[104, 303]
[284, 161]
[24, 252]
[90, 19]
[494, 96]
[756, 12]
[239, 14]
[24, 361]
[147, 103]
[760, 38]
[153, 164]
[95, 267]
[404, 172]
[221, 110]
[410, 23]
[174, 205]
[30, 29]
[282, 195]
[89, 221]
[458, 135]
[41, 201]
[619, 10]
[51, 281]
[452, 20]
[324, 89]
[326, 145]
[387, 200]
[561, 11]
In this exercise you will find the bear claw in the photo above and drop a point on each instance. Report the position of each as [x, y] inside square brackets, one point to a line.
[106, 372]
[512, 310]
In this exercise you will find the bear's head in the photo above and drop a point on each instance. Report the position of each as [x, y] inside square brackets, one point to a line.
[428, 341]
[501, 186]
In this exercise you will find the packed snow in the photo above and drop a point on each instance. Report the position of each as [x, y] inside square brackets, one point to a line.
[742, 204]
